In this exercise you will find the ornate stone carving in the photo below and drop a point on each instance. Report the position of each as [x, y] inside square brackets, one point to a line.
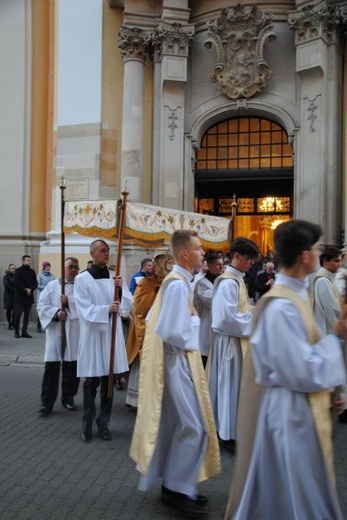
[311, 109]
[172, 117]
[172, 38]
[239, 34]
[317, 21]
[134, 43]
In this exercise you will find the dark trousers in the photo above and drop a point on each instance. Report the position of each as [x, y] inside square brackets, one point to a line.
[90, 386]
[50, 382]
[19, 308]
[10, 317]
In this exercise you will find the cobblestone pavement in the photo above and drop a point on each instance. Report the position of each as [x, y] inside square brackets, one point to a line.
[48, 473]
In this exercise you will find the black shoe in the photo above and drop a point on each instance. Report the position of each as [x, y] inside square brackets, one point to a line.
[86, 432]
[230, 445]
[184, 504]
[10, 327]
[26, 335]
[16, 335]
[104, 433]
[200, 499]
[119, 385]
[45, 410]
[70, 406]
[39, 329]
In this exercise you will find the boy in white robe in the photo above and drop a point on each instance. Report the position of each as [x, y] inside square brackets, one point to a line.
[51, 315]
[94, 294]
[285, 469]
[174, 438]
[326, 298]
[231, 325]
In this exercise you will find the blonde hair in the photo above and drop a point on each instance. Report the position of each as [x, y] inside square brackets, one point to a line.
[180, 239]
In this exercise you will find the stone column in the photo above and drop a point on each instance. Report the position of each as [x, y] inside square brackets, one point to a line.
[344, 147]
[171, 48]
[134, 47]
[318, 165]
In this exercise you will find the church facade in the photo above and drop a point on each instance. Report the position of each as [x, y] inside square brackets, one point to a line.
[194, 105]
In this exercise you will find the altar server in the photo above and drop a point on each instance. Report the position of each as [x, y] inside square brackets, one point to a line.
[94, 293]
[51, 316]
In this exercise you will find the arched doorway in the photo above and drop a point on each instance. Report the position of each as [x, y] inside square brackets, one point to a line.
[249, 157]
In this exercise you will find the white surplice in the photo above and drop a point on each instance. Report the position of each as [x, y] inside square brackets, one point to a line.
[226, 365]
[202, 302]
[287, 478]
[182, 438]
[326, 305]
[47, 307]
[93, 298]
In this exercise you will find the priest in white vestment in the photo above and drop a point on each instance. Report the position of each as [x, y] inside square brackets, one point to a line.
[231, 325]
[51, 315]
[284, 468]
[94, 294]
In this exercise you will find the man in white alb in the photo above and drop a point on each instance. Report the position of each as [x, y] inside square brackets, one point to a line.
[94, 294]
[231, 325]
[51, 315]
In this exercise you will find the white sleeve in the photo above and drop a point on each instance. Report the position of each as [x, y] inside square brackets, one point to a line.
[225, 316]
[176, 326]
[283, 356]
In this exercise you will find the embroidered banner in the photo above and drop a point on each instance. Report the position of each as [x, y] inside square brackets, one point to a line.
[145, 225]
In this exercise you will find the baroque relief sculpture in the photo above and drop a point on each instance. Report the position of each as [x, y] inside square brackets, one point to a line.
[134, 43]
[172, 38]
[239, 34]
[317, 21]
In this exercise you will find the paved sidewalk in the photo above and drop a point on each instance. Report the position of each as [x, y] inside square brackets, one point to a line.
[48, 473]
[22, 350]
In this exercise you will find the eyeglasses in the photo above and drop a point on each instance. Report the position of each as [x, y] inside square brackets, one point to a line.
[73, 267]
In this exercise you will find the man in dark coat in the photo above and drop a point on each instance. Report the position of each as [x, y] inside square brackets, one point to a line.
[8, 281]
[25, 284]
[264, 281]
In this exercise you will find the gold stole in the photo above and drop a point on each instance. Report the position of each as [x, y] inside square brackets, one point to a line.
[336, 291]
[151, 388]
[319, 401]
[243, 306]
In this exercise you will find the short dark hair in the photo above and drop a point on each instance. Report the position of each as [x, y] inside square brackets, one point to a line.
[244, 246]
[329, 253]
[25, 256]
[293, 237]
[212, 258]
[145, 261]
[72, 258]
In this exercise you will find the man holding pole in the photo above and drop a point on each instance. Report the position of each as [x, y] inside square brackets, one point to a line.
[51, 317]
[94, 294]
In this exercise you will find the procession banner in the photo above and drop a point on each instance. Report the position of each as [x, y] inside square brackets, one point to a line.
[146, 225]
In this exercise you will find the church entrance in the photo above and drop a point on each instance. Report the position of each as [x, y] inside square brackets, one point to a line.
[245, 168]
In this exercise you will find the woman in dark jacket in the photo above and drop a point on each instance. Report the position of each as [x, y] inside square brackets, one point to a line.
[8, 281]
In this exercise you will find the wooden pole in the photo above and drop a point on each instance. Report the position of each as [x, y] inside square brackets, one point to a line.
[62, 261]
[125, 194]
